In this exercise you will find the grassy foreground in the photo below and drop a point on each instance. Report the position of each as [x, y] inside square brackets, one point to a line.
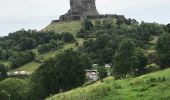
[154, 86]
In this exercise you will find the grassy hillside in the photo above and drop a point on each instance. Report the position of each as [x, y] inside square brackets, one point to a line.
[72, 27]
[154, 86]
[34, 65]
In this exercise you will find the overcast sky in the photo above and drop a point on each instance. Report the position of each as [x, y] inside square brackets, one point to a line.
[36, 14]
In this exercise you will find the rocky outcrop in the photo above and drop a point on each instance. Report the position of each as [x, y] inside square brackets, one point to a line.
[80, 9]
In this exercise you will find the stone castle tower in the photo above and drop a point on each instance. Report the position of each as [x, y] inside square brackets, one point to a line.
[80, 9]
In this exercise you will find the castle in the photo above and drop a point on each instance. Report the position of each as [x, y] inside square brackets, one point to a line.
[81, 9]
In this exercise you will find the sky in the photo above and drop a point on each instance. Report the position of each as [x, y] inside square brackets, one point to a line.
[36, 14]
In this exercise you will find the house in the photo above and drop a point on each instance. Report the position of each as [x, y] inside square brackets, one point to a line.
[108, 65]
[92, 75]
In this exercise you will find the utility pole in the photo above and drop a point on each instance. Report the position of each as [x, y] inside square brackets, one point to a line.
[9, 96]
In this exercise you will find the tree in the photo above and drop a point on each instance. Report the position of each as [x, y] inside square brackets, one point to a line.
[3, 71]
[102, 72]
[167, 28]
[97, 24]
[20, 58]
[139, 53]
[163, 49]
[85, 61]
[27, 43]
[43, 48]
[61, 73]
[105, 55]
[124, 61]
[151, 28]
[67, 37]
[15, 88]
[102, 40]
[89, 45]
[88, 25]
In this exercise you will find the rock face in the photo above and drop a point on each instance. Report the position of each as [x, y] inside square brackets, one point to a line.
[80, 9]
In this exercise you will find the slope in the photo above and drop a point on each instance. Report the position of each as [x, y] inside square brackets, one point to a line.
[154, 86]
[72, 27]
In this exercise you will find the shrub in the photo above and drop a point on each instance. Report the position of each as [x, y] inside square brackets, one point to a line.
[15, 87]
[67, 37]
[152, 67]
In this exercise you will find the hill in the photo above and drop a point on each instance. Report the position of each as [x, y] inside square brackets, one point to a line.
[71, 27]
[74, 27]
[154, 86]
[132, 48]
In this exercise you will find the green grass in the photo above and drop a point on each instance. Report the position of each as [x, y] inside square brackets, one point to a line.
[154, 86]
[73, 27]
[29, 67]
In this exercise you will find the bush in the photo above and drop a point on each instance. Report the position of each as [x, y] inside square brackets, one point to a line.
[3, 71]
[87, 25]
[163, 49]
[152, 68]
[102, 72]
[67, 37]
[21, 58]
[16, 88]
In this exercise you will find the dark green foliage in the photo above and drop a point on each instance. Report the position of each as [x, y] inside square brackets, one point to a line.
[102, 40]
[82, 33]
[163, 49]
[102, 72]
[125, 62]
[89, 45]
[97, 24]
[139, 53]
[167, 28]
[85, 61]
[87, 25]
[20, 58]
[23, 40]
[16, 88]
[129, 60]
[151, 28]
[43, 48]
[52, 45]
[86, 30]
[3, 71]
[105, 55]
[61, 73]
[27, 43]
[67, 37]
[3, 54]
[100, 50]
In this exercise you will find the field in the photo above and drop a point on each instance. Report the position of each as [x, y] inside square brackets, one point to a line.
[154, 86]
